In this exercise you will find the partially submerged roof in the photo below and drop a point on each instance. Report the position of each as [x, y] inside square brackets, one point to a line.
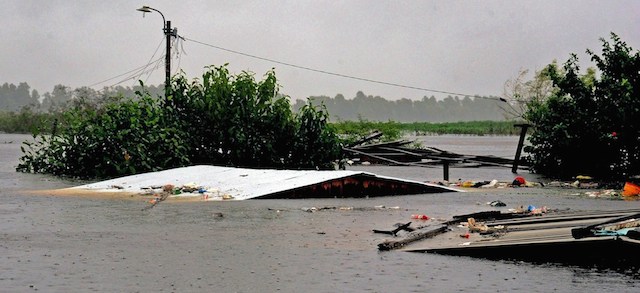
[546, 238]
[241, 183]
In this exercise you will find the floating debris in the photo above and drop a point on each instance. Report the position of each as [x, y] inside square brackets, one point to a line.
[394, 232]
[497, 203]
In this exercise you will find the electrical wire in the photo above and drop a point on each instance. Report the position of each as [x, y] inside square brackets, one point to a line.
[177, 53]
[158, 63]
[149, 62]
[130, 71]
[339, 74]
[138, 71]
[148, 68]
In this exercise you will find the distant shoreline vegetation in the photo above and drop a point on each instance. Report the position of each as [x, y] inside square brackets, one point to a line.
[395, 130]
[427, 109]
[27, 121]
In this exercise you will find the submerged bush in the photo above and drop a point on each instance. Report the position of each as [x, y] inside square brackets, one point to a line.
[220, 120]
[123, 137]
[27, 120]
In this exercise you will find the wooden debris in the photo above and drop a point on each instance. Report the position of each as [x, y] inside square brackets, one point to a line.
[372, 136]
[394, 232]
[397, 153]
[414, 236]
[588, 231]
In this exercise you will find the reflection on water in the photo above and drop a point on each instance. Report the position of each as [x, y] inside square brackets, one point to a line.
[75, 244]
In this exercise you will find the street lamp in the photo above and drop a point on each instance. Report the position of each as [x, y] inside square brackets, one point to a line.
[168, 32]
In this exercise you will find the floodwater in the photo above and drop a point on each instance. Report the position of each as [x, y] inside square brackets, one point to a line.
[81, 244]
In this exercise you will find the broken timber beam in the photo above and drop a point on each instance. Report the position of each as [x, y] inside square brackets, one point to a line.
[372, 136]
[414, 236]
[523, 133]
[383, 158]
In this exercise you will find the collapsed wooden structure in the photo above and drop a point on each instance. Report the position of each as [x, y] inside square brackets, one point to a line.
[399, 153]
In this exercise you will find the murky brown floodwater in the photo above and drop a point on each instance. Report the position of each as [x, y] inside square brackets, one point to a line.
[77, 244]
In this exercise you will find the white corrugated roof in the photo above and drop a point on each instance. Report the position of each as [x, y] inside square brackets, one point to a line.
[241, 183]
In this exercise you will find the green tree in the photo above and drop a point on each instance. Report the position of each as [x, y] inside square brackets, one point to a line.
[589, 125]
[222, 120]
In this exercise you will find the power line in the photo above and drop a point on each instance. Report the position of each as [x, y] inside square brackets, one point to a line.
[338, 74]
[141, 69]
[130, 71]
[149, 63]
[148, 69]
[151, 66]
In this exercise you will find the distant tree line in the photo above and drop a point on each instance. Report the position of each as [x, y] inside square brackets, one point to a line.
[23, 110]
[428, 109]
[14, 98]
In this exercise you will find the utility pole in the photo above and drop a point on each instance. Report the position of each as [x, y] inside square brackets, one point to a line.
[167, 60]
[168, 33]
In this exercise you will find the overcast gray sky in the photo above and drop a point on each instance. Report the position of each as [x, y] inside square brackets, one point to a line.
[468, 47]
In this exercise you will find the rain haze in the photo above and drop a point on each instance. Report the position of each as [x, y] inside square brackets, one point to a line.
[466, 47]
